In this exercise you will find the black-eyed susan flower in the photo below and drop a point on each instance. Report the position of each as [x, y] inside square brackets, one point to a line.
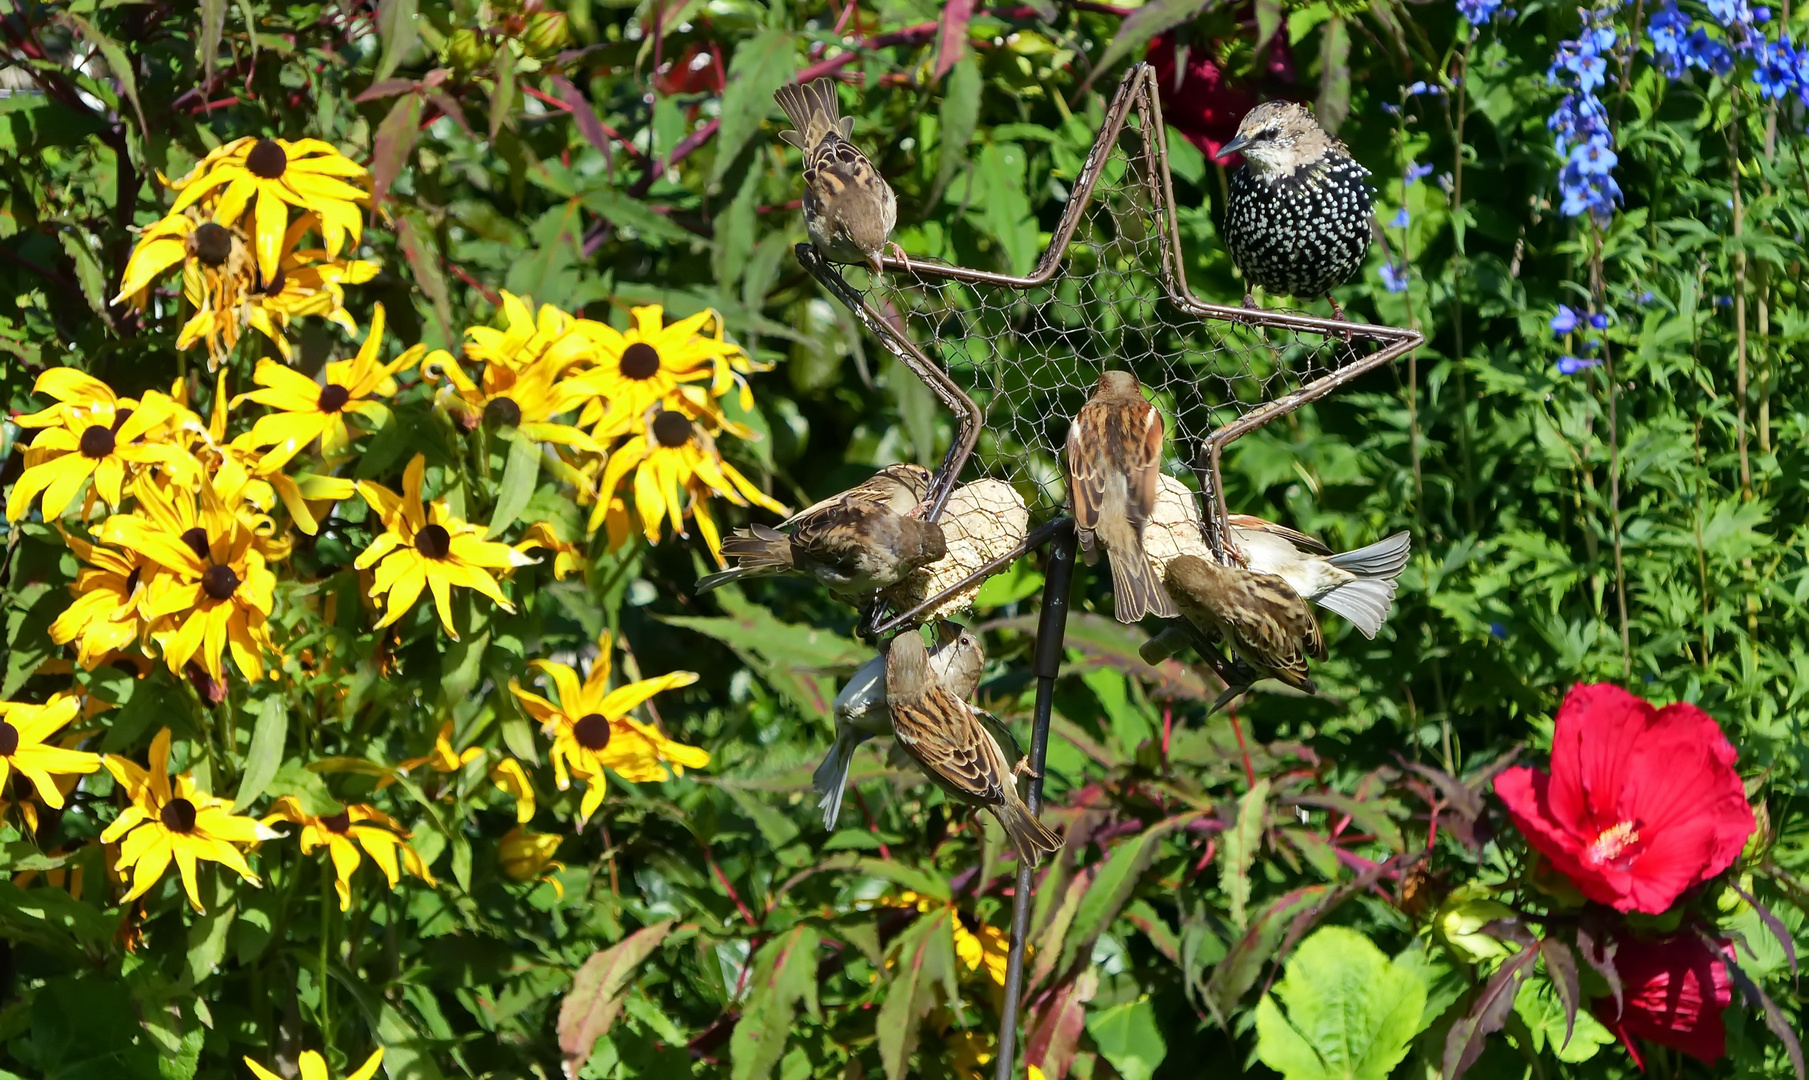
[567, 557]
[110, 590]
[673, 456]
[314, 1067]
[552, 335]
[92, 432]
[525, 856]
[424, 546]
[213, 591]
[308, 281]
[592, 731]
[984, 948]
[442, 758]
[526, 399]
[309, 410]
[174, 821]
[642, 366]
[217, 271]
[264, 177]
[24, 729]
[344, 833]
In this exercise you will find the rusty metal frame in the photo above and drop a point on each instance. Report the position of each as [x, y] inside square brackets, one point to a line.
[1138, 91]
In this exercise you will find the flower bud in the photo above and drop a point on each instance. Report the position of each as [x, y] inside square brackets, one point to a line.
[1461, 924]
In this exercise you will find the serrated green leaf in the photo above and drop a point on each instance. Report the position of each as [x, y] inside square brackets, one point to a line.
[761, 65]
[1350, 1012]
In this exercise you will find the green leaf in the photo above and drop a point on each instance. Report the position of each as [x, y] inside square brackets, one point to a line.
[628, 212]
[502, 91]
[207, 942]
[119, 64]
[1350, 1012]
[1334, 74]
[1128, 1037]
[1237, 851]
[960, 117]
[309, 789]
[394, 142]
[1145, 23]
[925, 955]
[520, 474]
[213, 23]
[1538, 1005]
[396, 29]
[591, 1005]
[88, 273]
[785, 973]
[762, 64]
[265, 755]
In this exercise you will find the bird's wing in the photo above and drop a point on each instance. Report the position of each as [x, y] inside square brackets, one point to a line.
[1314, 637]
[942, 732]
[842, 538]
[1087, 465]
[841, 176]
[1272, 626]
[1293, 536]
[1144, 473]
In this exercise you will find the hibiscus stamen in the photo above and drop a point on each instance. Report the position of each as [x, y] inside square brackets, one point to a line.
[1610, 842]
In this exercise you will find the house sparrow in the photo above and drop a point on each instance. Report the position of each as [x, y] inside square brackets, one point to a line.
[953, 747]
[853, 547]
[1114, 461]
[1358, 585]
[1266, 624]
[861, 712]
[899, 488]
[849, 209]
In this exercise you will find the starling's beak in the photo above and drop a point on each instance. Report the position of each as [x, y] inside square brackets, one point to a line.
[1232, 147]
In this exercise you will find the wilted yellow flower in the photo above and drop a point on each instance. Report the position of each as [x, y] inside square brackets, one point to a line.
[212, 590]
[24, 727]
[592, 731]
[217, 270]
[314, 1067]
[110, 590]
[173, 822]
[525, 856]
[672, 454]
[308, 410]
[442, 758]
[91, 432]
[342, 834]
[984, 948]
[567, 557]
[426, 547]
[529, 339]
[308, 282]
[265, 177]
[512, 780]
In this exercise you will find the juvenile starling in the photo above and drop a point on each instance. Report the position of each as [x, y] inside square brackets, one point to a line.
[1266, 623]
[853, 547]
[849, 209]
[861, 711]
[1358, 585]
[1298, 218]
[945, 736]
[1114, 464]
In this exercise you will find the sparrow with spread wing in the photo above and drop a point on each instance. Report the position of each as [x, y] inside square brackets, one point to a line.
[946, 738]
[1114, 462]
[1358, 585]
[861, 711]
[849, 209]
[1264, 622]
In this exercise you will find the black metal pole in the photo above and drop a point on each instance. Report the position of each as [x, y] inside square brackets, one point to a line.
[1051, 628]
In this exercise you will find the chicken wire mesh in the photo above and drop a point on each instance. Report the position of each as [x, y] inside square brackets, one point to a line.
[1016, 357]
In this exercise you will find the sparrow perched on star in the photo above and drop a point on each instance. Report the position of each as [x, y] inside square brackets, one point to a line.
[849, 209]
[946, 738]
[1114, 464]
[861, 710]
[1259, 617]
[1357, 584]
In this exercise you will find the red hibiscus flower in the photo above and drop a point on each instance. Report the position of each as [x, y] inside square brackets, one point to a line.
[1640, 805]
[1675, 989]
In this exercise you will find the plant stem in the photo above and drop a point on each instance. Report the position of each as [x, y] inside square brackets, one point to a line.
[1614, 455]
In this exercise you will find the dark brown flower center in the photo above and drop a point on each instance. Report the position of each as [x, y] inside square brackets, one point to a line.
[275, 284]
[132, 580]
[434, 542]
[196, 539]
[502, 412]
[9, 739]
[672, 428]
[120, 418]
[178, 815]
[338, 823]
[640, 361]
[213, 244]
[219, 582]
[592, 731]
[267, 160]
[333, 397]
[97, 442]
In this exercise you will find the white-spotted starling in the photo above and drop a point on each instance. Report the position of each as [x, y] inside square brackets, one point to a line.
[1298, 220]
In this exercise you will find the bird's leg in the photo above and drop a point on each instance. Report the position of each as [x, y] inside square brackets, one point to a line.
[1024, 768]
[1250, 300]
[894, 248]
[1337, 310]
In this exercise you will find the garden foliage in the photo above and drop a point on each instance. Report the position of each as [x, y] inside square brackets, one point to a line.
[382, 375]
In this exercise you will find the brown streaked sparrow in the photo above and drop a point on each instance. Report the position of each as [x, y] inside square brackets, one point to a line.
[899, 488]
[1358, 585]
[849, 209]
[1114, 460]
[1264, 622]
[861, 711]
[853, 547]
[946, 738]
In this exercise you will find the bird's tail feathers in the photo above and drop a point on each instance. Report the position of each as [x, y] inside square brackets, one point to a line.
[757, 550]
[831, 778]
[1030, 837]
[1136, 587]
[1385, 558]
[1366, 602]
[814, 110]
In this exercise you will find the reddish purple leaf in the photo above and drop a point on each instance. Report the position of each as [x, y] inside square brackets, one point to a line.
[394, 143]
[1561, 968]
[1055, 1024]
[383, 88]
[951, 38]
[1486, 1016]
[582, 115]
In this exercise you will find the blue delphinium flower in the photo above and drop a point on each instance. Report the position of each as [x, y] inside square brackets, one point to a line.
[1479, 12]
[1570, 365]
[1394, 277]
[1564, 321]
[1580, 124]
[1417, 172]
[1400, 219]
[1599, 320]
